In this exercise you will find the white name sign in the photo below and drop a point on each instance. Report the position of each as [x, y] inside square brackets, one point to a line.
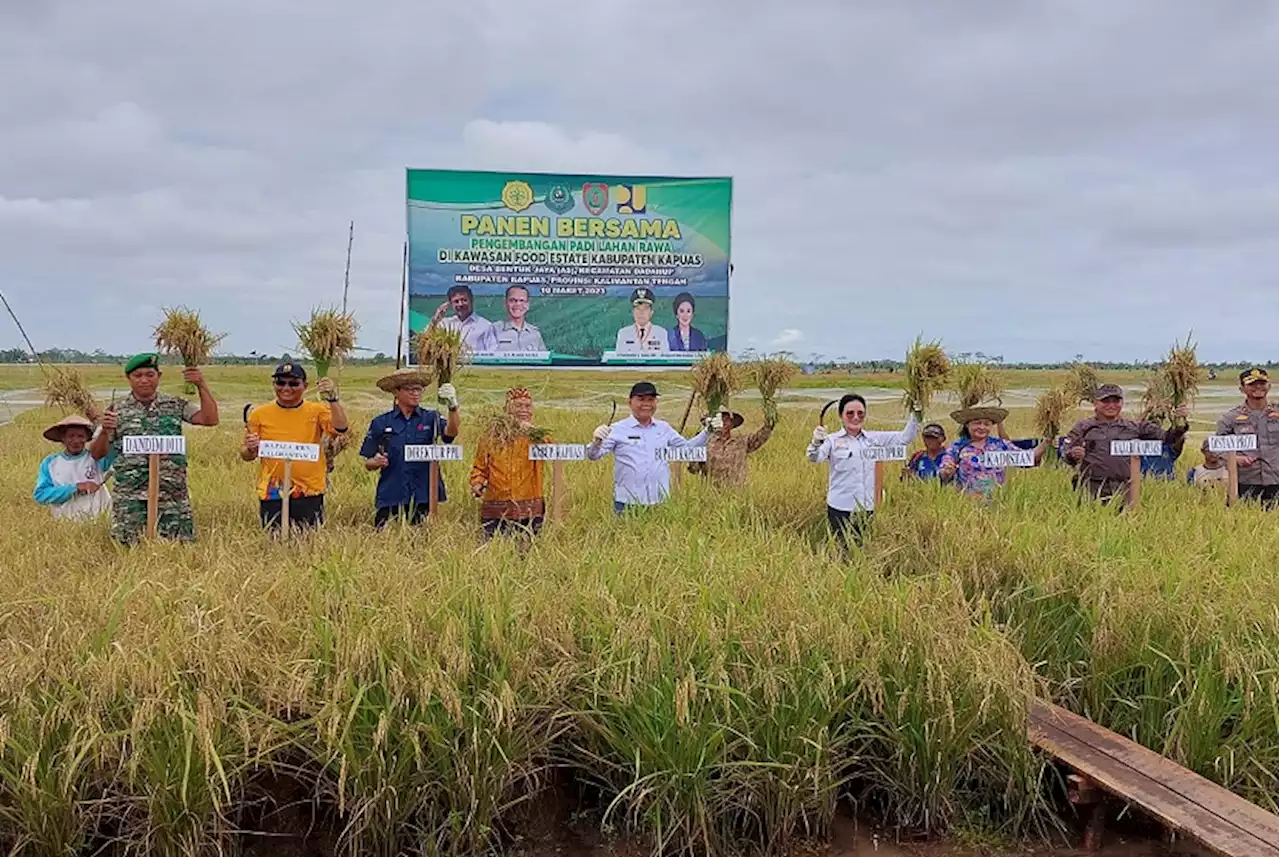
[432, 452]
[1009, 458]
[557, 452]
[1136, 447]
[157, 444]
[289, 451]
[885, 453]
[681, 453]
[1232, 442]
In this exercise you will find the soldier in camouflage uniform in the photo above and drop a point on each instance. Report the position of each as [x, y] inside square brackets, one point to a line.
[149, 412]
[726, 463]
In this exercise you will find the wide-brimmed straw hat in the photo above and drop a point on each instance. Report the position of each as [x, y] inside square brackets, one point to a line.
[738, 419]
[968, 415]
[403, 377]
[55, 431]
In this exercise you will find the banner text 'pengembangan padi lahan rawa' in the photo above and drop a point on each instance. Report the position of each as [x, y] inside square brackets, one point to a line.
[561, 269]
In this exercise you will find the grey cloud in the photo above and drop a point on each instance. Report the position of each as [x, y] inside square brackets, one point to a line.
[1010, 176]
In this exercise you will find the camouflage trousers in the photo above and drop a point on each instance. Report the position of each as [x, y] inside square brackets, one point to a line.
[173, 520]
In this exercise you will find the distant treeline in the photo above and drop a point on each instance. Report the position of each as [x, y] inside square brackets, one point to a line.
[820, 365]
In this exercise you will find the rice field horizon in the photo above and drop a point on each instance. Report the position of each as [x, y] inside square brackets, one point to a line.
[712, 674]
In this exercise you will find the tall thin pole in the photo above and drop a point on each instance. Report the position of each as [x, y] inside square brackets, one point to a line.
[12, 315]
[404, 288]
[346, 276]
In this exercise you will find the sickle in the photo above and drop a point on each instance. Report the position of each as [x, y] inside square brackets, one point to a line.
[822, 418]
[245, 414]
[614, 412]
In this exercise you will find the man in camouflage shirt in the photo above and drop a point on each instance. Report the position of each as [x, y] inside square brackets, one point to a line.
[1257, 416]
[149, 412]
[726, 463]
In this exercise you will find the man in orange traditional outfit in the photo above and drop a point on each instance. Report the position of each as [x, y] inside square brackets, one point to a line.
[503, 478]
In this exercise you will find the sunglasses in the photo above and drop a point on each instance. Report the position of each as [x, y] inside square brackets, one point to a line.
[288, 382]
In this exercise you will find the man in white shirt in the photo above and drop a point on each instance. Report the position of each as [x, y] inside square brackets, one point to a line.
[643, 336]
[851, 485]
[477, 332]
[515, 333]
[639, 479]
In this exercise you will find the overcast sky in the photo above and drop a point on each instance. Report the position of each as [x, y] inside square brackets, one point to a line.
[1030, 179]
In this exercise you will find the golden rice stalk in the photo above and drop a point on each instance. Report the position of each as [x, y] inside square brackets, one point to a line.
[1082, 380]
[1157, 398]
[715, 378]
[65, 388]
[1181, 372]
[183, 333]
[1052, 407]
[327, 336]
[441, 352]
[501, 428]
[772, 374]
[927, 371]
[976, 383]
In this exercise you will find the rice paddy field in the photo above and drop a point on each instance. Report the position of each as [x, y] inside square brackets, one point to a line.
[709, 677]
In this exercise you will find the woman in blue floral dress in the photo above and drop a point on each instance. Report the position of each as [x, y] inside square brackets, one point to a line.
[962, 463]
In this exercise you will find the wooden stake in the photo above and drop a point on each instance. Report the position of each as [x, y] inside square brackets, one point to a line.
[153, 493]
[1233, 479]
[404, 290]
[433, 485]
[558, 496]
[286, 490]
[879, 482]
[1135, 481]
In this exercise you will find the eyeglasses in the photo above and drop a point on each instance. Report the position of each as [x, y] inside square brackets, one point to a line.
[411, 389]
[855, 413]
[288, 382]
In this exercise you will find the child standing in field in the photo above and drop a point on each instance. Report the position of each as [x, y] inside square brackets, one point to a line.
[71, 481]
[1211, 474]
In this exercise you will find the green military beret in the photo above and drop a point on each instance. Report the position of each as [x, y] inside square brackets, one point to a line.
[149, 360]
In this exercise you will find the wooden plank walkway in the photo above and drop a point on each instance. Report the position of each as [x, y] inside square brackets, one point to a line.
[1182, 800]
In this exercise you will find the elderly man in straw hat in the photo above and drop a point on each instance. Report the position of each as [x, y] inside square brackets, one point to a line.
[962, 462]
[147, 411]
[404, 487]
[71, 481]
[503, 478]
[726, 464]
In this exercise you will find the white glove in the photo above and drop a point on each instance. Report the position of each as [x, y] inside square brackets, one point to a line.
[600, 434]
[819, 435]
[716, 423]
[446, 395]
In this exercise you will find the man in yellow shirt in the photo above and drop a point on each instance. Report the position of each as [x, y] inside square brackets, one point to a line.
[293, 419]
[503, 478]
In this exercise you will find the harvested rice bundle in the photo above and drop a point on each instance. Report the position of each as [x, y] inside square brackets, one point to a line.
[1157, 398]
[65, 388]
[771, 374]
[1052, 408]
[1182, 373]
[183, 333]
[441, 352]
[976, 383]
[498, 426]
[1082, 380]
[715, 378]
[327, 336]
[927, 371]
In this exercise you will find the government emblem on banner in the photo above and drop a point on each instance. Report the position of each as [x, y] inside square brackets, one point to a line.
[559, 198]
[632, 198]
[595, 196]
[517, 195]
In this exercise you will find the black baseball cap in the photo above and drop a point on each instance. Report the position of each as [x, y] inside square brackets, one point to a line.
[642, 296]
[1107, 391]
[289, 369]
[934, 430]
[1256, 373]
[644, 388]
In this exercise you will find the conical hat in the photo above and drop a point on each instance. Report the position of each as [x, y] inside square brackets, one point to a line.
[401, 377]
[54, 432]
[967, 415]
